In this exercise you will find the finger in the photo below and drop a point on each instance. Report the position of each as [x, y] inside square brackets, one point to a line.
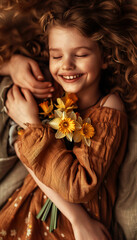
[44, 91]
[36, 71]
[40, 93]
[27, 95]
[10, 94]
[32, 83]
[42, 96]
[17, 94]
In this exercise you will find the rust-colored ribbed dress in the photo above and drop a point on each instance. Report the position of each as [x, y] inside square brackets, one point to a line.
[86, 175]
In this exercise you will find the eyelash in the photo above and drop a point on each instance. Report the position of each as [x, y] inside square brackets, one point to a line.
[84, 55]
[56, 57]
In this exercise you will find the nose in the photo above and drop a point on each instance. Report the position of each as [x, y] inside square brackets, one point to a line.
[68, 64]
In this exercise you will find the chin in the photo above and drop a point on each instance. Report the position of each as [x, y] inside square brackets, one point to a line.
[71, 90]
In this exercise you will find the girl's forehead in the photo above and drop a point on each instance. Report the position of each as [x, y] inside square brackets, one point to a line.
[67, 37]
[63, 30]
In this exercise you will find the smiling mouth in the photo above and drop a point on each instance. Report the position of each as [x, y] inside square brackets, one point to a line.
[71, 77]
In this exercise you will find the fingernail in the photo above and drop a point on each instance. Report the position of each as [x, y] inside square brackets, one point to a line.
[50, 85]
[50, 95]
[40, 77]
[52, 89]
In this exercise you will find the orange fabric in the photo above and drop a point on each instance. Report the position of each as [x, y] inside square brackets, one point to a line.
[85, 175]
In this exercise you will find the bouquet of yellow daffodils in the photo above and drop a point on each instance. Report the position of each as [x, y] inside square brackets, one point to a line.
[67, 123]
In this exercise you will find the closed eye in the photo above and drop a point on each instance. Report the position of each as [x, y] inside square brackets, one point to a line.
[57, 57]
[83, 55]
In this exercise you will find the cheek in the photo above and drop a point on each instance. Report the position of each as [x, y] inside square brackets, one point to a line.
[89, 63]
[52, 68]
[94, 65]
[88, 67]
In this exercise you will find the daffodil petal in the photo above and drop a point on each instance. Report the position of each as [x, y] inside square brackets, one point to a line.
[87, 120]
[77, 126]
[80, 120]
[69, 102]
[59, 135]
[69, 136]
[42, 113]
[61, 103]
[50, 108]
[64, 115]
[44, 106]
[58, 114]
[72, 107]
[87, 141]
[55, 123]
[72, 115]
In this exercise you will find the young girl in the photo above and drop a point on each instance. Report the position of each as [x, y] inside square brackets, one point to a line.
[84, 174]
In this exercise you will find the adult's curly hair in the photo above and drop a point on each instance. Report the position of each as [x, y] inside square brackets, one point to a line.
[20, 29]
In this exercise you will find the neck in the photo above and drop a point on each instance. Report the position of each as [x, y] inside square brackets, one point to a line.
[88, 100]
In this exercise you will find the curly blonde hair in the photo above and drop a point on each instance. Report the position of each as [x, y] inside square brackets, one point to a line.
[113, 24]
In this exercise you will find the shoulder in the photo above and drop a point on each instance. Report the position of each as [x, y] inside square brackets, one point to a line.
[113, 101]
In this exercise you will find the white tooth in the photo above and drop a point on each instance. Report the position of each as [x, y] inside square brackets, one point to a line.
[72, 77]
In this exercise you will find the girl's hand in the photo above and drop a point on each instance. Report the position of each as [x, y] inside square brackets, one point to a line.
[25, 73]
[22, 107]
[89, 229]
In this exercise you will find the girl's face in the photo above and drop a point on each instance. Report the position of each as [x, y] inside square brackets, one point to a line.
[75, 61]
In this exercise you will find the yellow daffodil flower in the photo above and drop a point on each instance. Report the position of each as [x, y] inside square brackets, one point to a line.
[64, 123]
[46, 108]
[67, 102]
[85, 132]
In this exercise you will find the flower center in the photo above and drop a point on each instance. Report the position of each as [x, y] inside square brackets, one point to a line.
[87, 130]
[67, 125]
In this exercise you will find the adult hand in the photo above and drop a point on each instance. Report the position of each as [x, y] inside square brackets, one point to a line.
[22, 107]
[25, 73]
[90, 229]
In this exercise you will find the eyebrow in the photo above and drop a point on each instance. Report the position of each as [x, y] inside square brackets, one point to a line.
[77, 48]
